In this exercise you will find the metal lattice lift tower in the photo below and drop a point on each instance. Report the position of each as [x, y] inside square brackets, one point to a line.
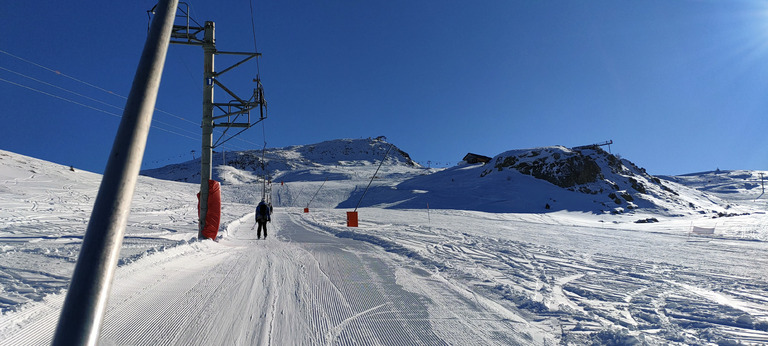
[234, 114]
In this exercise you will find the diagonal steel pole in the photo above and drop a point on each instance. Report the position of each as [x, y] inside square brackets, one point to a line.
[83, 311]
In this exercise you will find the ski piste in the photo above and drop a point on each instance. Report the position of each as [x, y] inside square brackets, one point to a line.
[567, 276]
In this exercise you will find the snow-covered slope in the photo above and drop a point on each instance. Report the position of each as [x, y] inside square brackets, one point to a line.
[44, 211]
[545, 180]
[471, 269]
[736, 186]
[525, 180]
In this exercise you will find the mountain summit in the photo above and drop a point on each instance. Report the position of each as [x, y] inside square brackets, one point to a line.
[291, 163]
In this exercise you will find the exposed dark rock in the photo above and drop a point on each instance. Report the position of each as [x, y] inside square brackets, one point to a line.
[566, 170]
[619, 184]
[638, 185]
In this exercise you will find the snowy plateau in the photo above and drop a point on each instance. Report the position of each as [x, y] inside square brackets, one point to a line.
[542, 246]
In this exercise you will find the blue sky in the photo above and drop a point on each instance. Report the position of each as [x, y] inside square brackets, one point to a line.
[679, 86]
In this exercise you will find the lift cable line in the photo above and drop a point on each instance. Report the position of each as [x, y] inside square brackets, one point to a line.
[62, 74]
[316, 192]
[265, 195]
[61, 88]
[83, 96]
[234, 114]
[81, 82]
[374, 175]
[95, 100]
[59, 97]
[255, 47]
[95, 108]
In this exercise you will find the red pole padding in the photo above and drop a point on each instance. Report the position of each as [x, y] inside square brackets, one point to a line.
[351, 219]
[213, 216]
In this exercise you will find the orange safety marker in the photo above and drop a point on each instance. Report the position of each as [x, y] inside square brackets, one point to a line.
[351, 219]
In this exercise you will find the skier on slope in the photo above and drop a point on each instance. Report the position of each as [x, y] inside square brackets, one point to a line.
[262, 217]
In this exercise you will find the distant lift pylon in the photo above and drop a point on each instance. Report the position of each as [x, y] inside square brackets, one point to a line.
[234, 114]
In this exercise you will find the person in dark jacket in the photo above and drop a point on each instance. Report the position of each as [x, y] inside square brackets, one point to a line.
[262, 217]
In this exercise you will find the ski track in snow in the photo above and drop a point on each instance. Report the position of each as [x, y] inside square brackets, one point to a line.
[408, 276]
[309, 287]
[577, 286]
[299, 286]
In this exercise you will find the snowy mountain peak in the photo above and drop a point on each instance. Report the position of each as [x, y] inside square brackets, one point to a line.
[345, 152]
[290, 162]
[365, 151]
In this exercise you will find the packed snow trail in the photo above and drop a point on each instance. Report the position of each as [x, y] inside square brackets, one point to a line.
[300, 286]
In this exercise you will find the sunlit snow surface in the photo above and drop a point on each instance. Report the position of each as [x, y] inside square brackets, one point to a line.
[440, 275]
